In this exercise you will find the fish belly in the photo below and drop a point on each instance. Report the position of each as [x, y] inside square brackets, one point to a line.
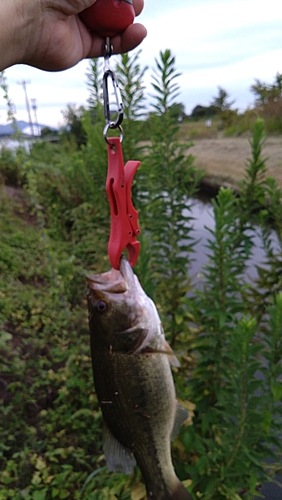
[137, 397]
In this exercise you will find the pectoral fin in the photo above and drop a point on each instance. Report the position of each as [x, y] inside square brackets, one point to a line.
[180, 416]
[118, 458]
[172, 358]
[167, 350]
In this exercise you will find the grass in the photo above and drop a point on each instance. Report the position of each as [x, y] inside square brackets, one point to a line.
[51, 423]
[225, 158]
[198, 130]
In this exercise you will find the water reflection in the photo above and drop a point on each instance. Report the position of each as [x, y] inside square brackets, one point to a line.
[202, 212]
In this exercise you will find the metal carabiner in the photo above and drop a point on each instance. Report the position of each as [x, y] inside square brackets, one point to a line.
[110, 75]
[112, 124]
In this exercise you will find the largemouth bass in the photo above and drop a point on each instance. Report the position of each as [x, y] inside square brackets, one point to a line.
[133, 380]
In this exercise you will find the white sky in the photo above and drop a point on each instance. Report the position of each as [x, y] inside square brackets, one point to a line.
[215, 42]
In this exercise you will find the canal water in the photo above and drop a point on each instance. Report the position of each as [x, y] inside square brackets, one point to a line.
[202, 212]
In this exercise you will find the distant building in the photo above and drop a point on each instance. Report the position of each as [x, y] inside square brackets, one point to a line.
[24, 129]
[12, 136]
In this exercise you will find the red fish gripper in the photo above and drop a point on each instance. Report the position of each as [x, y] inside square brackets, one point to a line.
[124, 217]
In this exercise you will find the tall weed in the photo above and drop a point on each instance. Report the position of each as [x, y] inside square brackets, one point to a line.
[227, 332]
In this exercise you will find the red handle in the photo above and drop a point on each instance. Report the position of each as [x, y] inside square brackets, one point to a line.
[108, 18]
[124, 217]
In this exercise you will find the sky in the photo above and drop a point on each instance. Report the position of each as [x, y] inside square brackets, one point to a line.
[226, 43]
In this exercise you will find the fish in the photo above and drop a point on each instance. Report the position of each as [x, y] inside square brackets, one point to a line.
[133, 380]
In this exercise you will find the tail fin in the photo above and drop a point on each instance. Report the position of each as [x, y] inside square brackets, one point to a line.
[179, 493]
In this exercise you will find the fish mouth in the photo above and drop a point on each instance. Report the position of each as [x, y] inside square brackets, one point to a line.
[123, 301]
[113, 281]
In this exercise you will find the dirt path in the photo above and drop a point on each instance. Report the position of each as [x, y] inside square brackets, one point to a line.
[226, 158]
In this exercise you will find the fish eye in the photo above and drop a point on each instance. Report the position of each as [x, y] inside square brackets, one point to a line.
[101, 306]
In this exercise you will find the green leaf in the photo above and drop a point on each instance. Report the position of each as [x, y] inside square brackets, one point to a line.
[276, 389]
[4, 338]
[39, 494]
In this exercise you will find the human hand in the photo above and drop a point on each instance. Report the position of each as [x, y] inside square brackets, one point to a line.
[49, 35]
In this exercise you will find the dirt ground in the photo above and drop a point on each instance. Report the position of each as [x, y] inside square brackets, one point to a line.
[226, 158]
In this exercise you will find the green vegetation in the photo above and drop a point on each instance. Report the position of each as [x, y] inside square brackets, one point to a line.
[267, 105]
[54, 224]
[269, 102]
[169, 172]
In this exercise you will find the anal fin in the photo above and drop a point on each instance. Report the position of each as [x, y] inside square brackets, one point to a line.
[119, 459]
[180, 416]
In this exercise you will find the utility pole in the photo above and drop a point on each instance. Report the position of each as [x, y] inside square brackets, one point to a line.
[34, 107]
[24, 84]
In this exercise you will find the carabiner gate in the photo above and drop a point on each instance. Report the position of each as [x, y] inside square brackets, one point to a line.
[112, 124]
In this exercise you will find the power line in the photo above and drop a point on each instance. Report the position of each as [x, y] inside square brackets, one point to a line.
[24, 83]
[34, 108]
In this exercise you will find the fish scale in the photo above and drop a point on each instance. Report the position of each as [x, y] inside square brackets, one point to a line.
[129, 416]
[133, 381]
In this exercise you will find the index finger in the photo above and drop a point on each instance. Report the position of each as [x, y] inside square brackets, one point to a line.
[138, 6]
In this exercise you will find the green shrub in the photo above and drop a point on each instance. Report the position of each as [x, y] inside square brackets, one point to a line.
[11, 170]
[225, 329]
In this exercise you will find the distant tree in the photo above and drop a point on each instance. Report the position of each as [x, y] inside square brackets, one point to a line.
[221, 101]
[268, 101]
[267, 93]
[47, 132]
[73, 128]
[177, 111]
[203, 112]
[278, 83]
[260, 90]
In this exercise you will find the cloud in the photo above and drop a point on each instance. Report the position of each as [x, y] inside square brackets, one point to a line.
[53, 91]
[216, 42]
[226, 43]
